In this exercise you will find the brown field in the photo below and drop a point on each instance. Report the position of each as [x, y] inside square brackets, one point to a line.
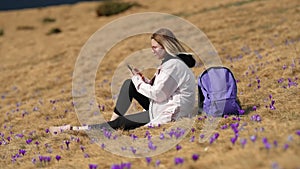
[256, 39]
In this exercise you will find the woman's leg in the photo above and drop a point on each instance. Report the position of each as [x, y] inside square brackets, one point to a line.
[127, 93]
[126, 122]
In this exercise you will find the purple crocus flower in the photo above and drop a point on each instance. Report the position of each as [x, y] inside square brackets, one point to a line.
[243, 142]
[86, 155]
[157, 163]
[67, 143]
[272, 107]
[93, 166]
[254, 108]
[275, 143]
[233, 139]
[192, 139]
[161, 136]
[82, 148]
[57, 157]
[298, 132]
[285, 146]
[284, 67]
[253, 138]
[151, 146]
[178, 160]
[28, 141]
[115, 166]
[266, 143]
[280, 80]
[33, 160]
[256, 117]
[47, 159]
[133, 136]
[22, 151]
[241, 112]
[148, 160]
[133, 150]
[125, 165]
[195, 157]
[224, 127]
[178, 147]
[213, 138]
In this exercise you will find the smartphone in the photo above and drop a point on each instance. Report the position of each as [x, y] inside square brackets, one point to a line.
[129, 67]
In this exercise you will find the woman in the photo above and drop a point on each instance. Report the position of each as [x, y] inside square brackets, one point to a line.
[169, 96]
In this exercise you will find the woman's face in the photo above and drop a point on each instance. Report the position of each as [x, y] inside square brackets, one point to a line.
[157, 49]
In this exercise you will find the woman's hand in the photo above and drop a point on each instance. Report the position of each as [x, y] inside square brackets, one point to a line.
[135, 71]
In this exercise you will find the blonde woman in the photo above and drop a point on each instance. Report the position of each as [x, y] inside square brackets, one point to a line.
[167, 97]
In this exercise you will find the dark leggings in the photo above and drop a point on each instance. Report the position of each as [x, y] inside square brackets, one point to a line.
[132, 121]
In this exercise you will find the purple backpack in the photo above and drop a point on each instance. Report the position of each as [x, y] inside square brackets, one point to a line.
[217, 92]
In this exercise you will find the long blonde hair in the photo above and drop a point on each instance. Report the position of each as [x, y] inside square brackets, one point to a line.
[168, 41]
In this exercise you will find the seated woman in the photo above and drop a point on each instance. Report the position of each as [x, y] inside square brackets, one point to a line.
[169, 96]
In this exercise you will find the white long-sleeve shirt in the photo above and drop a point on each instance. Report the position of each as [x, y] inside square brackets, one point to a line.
[172, 95]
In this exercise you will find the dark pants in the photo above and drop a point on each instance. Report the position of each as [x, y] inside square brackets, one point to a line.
[132, 121]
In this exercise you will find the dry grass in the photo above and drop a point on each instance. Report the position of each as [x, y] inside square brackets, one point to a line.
[255, 39]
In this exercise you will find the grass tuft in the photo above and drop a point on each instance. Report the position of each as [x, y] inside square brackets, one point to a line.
[109, 8]
[54, 31]
[48, 20]
[1, 32]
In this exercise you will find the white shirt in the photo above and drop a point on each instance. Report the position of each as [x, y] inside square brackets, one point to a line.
[172, 94]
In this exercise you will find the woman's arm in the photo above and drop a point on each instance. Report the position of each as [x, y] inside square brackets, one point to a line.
[164, 86]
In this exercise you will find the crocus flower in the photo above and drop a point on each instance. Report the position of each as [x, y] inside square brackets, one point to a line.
[280, 80]
[161, 136]
[28, 141]
[243, 142]
[241, 112]
[178, 147]
[93, 166]
[285, 146]
[178, 160]
[82, 148]
[86, 155]
[67, 143]
[148, 160]
[233, 139]
[133, 136]
[22, 151]
[224, 127]
[192, 139]
[115, 166]
[254, 108]
[125, 165]
[133, 150]
[151, 146]
[33, 160]
[256, 117]
[275, 143]
[298, 132]
[266, 143]
[157, 163]
[57, 157]
[213, 138]
[102, 145]
[253, 138]
[195, 157]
